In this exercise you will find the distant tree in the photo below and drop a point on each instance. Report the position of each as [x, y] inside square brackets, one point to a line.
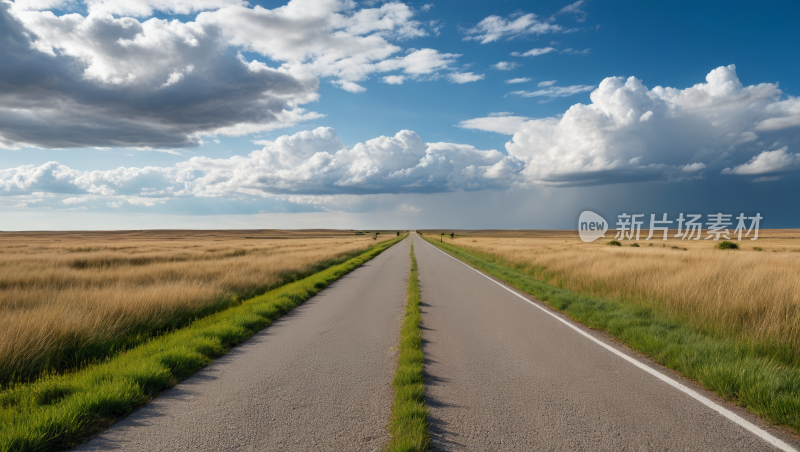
[452, 235]
[398, 233]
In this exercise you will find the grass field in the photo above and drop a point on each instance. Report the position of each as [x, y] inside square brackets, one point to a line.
[56, 412]
[755, 294]
[409, 424]
[73, 297]
[755, 367]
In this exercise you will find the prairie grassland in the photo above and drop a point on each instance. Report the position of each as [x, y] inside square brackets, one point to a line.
[755, 294]
[66, 298]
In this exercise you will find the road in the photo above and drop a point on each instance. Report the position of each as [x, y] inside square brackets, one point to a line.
[503, 375]
[319, 378]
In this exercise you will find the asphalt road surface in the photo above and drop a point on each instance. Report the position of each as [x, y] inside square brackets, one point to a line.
[319, 378]
[503, 375]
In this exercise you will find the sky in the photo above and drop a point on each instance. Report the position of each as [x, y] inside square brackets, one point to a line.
[223, 114]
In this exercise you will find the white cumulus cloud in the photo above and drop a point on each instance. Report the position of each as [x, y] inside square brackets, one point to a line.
[394, 79]
[575, 9]
[75, 200]
[630, 132]
[694, 167]
[555, 91]
[767, 162]
[505, 65]
[464, 77]
[505, 124]
[534, 52]
[495, 27]
[518, 80]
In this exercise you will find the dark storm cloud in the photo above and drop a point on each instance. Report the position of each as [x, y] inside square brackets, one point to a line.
[48, 101]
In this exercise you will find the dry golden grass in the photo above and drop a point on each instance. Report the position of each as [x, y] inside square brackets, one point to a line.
[754, 293]
[75, 292]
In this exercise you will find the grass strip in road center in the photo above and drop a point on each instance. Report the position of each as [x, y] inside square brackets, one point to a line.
[409, 424]
[744, 372]
[57, 412]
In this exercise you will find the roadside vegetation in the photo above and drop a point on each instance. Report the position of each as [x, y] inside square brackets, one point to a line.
[57, 411]
[726, 245]
[730, 322]
[409, 424]
[69, 299]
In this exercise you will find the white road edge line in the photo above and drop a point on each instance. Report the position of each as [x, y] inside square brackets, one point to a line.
[690, 392]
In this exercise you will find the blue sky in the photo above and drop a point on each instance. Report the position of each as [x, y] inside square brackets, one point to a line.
[117, 115]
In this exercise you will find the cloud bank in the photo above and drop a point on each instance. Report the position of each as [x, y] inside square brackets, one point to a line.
[306, 163]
